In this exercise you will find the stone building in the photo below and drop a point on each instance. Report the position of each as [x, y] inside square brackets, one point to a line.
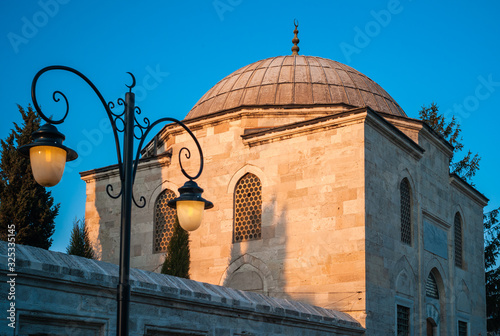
[325, 192]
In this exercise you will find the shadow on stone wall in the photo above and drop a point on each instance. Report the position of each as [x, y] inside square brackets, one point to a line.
[103, 215]
[257, 266]
[103, 218]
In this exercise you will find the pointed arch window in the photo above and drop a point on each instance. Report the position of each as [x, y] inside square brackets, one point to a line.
[247, 209]
[163, 221]
[458, 240]
[405, 193]
[431, 287]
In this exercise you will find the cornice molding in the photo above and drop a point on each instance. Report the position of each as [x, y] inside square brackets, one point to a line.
[303, 127]
[468, 190]
[109, 172]
[423, 129]
[435, 219]
[394, 134]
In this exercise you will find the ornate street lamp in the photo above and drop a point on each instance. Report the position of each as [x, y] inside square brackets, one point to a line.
[48, 156]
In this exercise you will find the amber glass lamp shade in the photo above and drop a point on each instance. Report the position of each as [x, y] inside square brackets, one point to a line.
[47, 164]
[190, 214]
[190, 206]
[48, 155]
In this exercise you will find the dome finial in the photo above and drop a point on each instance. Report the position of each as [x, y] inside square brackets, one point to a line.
[295, 41]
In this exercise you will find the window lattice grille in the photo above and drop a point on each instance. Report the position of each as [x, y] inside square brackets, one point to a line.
[462, 328]
[405, 212]
[431, 287]
[458, 240]
[247, 208]
[164, 221]
[403, 319]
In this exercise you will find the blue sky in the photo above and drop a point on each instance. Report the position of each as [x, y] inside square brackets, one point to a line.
[418, 51]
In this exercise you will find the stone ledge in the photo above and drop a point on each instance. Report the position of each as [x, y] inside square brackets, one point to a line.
[41, 265]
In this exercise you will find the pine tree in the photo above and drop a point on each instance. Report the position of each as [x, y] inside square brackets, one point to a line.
[465, 168]
[23, 202]
[177, 258]
[79, 243]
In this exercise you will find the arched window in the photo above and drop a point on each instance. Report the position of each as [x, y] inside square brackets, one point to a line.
[431, 287]
[405, 211]
[164, 221]
[458, 240]
[247, 208]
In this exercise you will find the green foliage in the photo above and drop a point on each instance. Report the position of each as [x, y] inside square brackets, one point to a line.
[491, 252]
[23, 202]
[467, 167]
[177, 258]
[79, 243]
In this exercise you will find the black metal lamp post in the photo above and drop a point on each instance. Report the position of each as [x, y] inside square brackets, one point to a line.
[48, 156]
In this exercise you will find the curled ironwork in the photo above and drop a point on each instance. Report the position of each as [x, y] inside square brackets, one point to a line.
[145, 133]
[118, 116]
[142, 200]
[109, 190]
[188, 156]
[137, 125]
[59, 93]
[111, 105]
[183, 149]
[142, 130]
[56, 99]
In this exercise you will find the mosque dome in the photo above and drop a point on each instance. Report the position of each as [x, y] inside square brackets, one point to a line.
[295, 81]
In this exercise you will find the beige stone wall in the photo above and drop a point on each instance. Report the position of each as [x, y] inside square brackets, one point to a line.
[330, 212]
[307, 174]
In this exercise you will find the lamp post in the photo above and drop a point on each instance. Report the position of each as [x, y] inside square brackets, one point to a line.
[48, 156]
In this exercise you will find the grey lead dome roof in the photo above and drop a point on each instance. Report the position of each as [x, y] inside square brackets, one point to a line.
[296, 80]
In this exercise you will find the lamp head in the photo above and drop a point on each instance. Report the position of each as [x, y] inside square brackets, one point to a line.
[48, 155]
[190, 205]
